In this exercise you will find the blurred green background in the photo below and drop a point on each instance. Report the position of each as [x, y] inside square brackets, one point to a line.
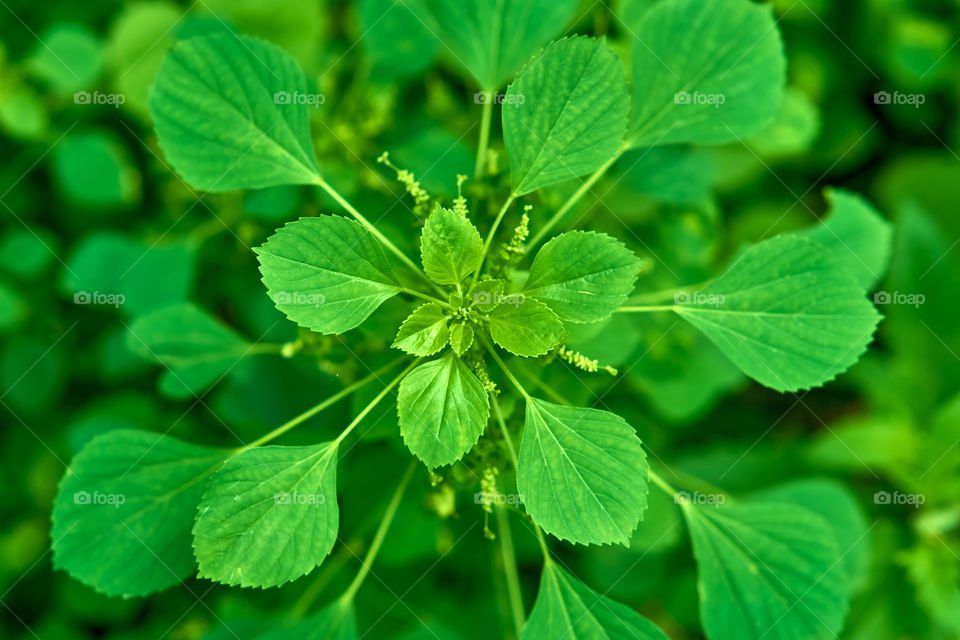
[97, 231]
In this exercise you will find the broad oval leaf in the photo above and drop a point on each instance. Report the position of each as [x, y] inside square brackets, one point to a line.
[424, 332]
[461, 337]
[705, 72]
[567, 609]
[582, 276]
[582, 473]
[566, 113]
[268, 516]
[764, 572]
[786, 313]
[443, 410]
[231, 113]
[326, 273]
[525, 327]
[196, 348]
[491, 39]
[450, 246]
[122, 516]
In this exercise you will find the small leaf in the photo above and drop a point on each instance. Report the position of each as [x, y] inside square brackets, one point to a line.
[705, 72]
[567, 609]
[486, 295]
[443, 410]
[424, 332]
[450, 245]
[566, 113]
[764, 572]
[122, 516]
[525, 327]
[582, 276]
[492, 40]
[582, 473]
[268, 516]
[786, 313]
[229, 114]
[461, 337]
[196, 348]
[858, 236]
[326, 273]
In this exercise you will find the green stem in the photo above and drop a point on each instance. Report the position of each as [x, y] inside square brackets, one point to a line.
[505, 370]
[323, 184]
[493, 231]
[657, 296]
[265, 347]
[424, 296]
[572, 200]
[485, 119]
[309, 413]
[381, 533]
[510, 569]
[373, 403]
[645, 309]
[543, 543]
[498, 414]
[663, 484]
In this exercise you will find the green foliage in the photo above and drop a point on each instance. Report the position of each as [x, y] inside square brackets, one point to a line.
[451, 247]
[424, 332]
[525, 327]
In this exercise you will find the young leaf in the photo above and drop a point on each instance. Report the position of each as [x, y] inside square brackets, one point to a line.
[424, 332]
[461, 337]
[229, 113]
[326, 273]
[705, 72]
[565, 114]
[764, 572]
[122, 516]
[336, 621]
[858, 236]
[525, 327]
[786, 313]
[567, 608]
[443, 409]
[582, 473]
[486, 295]
[492, 40]
[268, 516]
[196, 348]
[450, 245]
[582, 276]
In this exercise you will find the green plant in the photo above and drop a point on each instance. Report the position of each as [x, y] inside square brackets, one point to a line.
[791, 312]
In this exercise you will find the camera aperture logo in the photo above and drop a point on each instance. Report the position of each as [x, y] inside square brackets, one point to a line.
[112, 99]
[686, 497]
[99, 298]
[297, 498]
[911, 299]
[312, 99]
[912, 99]
[501, 499]
[488, 298]
[298, 298]
[912, 499]
[697, 98]
[485, 97]
[698, 298]
[96, 498]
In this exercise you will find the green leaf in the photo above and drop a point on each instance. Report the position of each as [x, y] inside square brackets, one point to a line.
[230, 113]
[424, 332]
[674, 174]
[764, 572]
[196, 348]
[582, 473]
[326, 273]
[567, 609]
[857, 235]
[486, 295]
[566, 113]
[268, 516]
[461, 337]
[122, 516]
[450, 245]
[582, 276]
[793, 129]
[705, 72]
[786, 313]
[492, 38]
[525, 327]
[336, 621]
[443, 409]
